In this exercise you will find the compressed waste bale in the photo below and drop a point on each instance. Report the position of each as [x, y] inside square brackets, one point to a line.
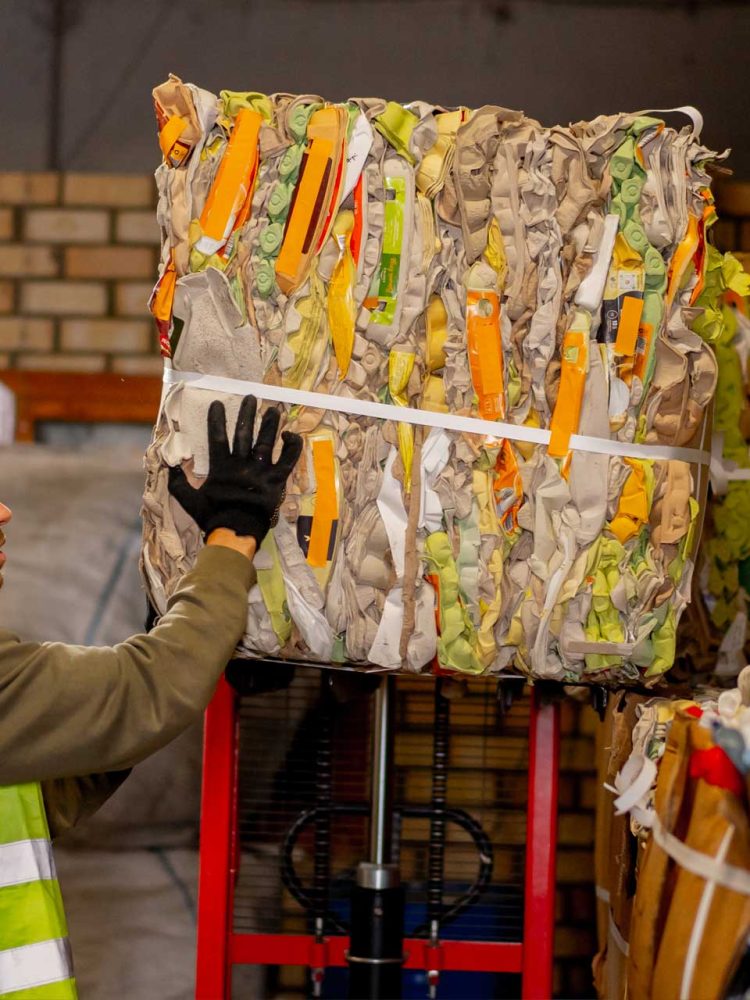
[506, 330]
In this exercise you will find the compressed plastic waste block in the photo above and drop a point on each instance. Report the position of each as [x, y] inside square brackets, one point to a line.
[673, 862]
[715, 636]
[493, 336]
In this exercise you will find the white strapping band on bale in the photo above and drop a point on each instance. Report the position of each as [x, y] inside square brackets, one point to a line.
[426, 418]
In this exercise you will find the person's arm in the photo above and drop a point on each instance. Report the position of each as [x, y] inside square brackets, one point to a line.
[72, 710]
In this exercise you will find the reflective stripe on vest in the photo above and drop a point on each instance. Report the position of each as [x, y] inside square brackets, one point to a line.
[35, 965]
[26, 861]
[35, 962]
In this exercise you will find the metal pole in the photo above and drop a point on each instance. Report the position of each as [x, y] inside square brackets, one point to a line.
[377, 923]
[381, 795]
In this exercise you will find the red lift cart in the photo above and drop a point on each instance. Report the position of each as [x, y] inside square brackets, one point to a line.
[271, 776]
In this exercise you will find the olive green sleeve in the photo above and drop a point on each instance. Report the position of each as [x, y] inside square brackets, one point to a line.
[76, 710]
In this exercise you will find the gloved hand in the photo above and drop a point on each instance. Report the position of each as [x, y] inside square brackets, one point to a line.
[244, 488]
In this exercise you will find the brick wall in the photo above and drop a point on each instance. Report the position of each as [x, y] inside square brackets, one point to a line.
[78, 259]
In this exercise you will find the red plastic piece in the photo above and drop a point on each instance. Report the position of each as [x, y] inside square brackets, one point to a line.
[716, 767]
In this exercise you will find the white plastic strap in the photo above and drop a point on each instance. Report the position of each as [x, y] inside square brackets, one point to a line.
[634, 782]
[700, 921]
[723, 470]
[35, 965]
[703, 865]
[614, 930]
[616, 936]
[426, 418]
[686, 109]
[26, 861]
[591, 290]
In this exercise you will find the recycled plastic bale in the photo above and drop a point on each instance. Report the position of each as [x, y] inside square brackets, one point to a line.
[505, 327]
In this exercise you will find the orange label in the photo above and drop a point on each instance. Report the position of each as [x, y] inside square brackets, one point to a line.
[486, 352]
[326, 502]
[627, 328]
[507, 488]
[305, 209]
[170, 133]
[334, 197]
[163, 295]
[235, 178]
[567, 414]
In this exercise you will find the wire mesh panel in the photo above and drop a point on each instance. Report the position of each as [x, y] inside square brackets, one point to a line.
[304, 776]
[488, 781]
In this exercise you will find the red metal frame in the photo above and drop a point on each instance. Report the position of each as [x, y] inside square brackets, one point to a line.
[217, 849]
[541, 849]
[219, 948]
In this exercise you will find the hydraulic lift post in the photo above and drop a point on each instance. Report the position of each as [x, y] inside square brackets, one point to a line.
[376, 951]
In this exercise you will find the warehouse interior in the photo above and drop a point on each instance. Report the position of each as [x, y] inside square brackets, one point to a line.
[483, 727]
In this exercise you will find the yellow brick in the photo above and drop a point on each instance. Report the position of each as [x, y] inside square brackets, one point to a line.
[17, 334]
[460, 863]
[17, 260]
[577, 754]
[468, 712]
[131, 298]
[579, 979]
[512, 789]
[145, 364]
[574, 866]
[587, 793]
[568, 717]
[6, 223]
[64, 298]
[109, 262]
[119, 190]
[66, 225]
[466, 750]
[465, 788]
[581, 903]
[7, 297]
[63, 362]
[122, 336]
[575, 829]
[137, 227]
[573, 941]
[29, 188]
[589, 722]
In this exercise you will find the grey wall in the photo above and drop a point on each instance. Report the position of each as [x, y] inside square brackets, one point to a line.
[558, 61]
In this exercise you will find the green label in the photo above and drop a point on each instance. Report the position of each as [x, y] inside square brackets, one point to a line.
[385, 280]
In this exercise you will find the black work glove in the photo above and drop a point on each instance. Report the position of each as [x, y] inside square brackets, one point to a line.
[244, 488]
